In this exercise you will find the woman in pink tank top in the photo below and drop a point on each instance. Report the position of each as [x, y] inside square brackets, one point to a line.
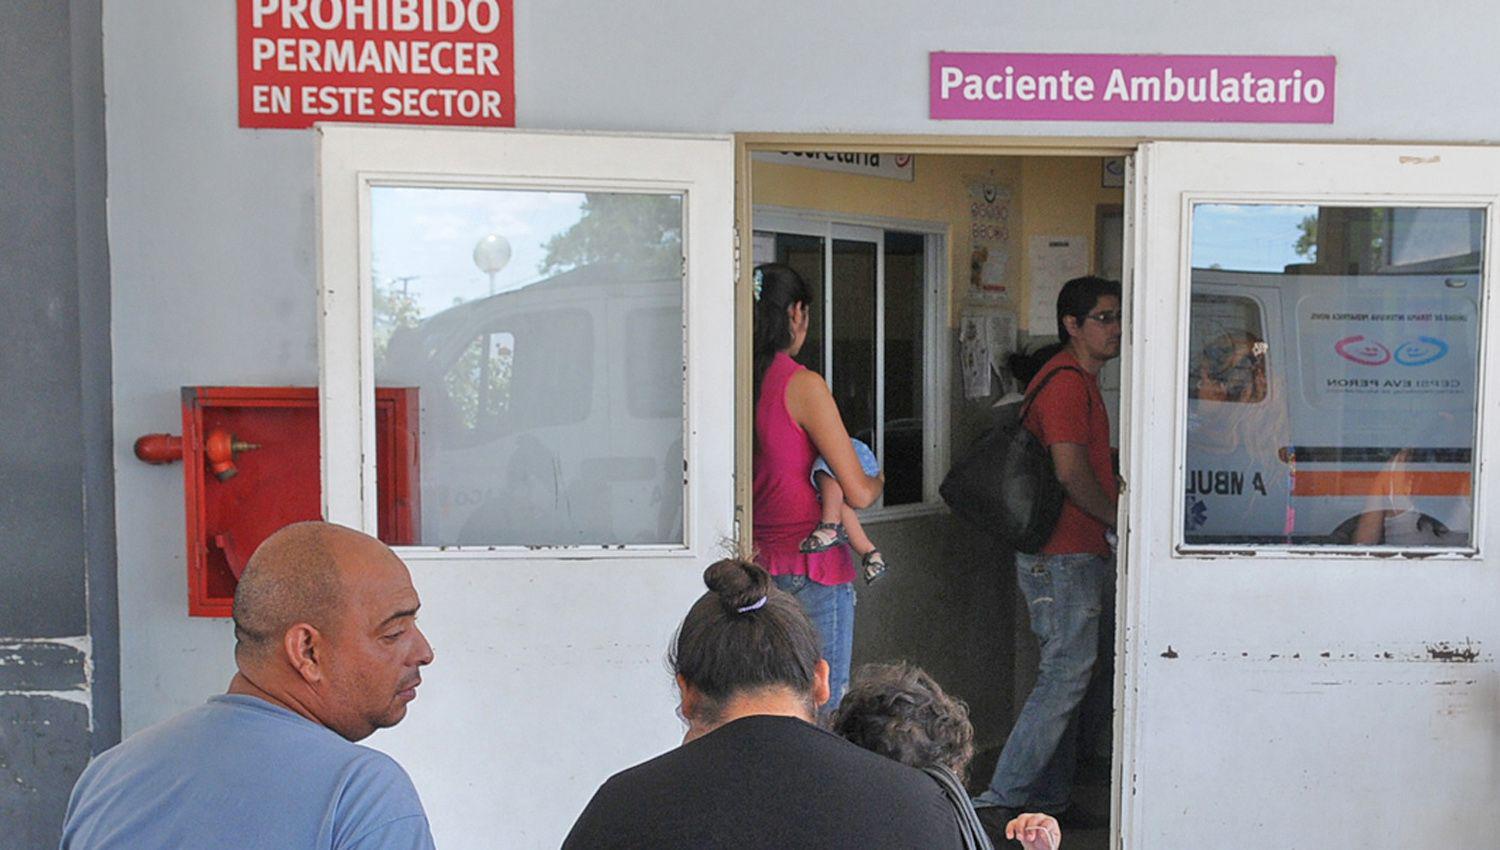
[796, 420]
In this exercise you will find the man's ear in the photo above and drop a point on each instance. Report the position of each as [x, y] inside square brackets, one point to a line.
[1072, 325]
[820, 689]
[303, 647]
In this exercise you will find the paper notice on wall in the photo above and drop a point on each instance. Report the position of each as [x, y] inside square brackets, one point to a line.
[1054, 261]
[975, 356]
[1004, 333]
[986, 338]
[989, 238]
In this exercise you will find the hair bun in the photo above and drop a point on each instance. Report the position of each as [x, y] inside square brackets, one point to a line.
[738, 584]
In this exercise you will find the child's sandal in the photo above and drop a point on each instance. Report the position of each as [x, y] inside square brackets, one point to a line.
[826, 536]
[874, 565]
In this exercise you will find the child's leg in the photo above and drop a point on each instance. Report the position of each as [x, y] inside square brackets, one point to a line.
[857, 537]
[871, 561]
[829, 532]
[832, 495]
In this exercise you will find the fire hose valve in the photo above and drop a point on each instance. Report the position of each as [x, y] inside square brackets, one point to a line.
[219, 450]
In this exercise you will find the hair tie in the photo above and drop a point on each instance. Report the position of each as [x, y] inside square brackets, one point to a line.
[758, 279]
[754, 606]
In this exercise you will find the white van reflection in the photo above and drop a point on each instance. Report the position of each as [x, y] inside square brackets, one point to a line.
[551, 414]
[1331, 409]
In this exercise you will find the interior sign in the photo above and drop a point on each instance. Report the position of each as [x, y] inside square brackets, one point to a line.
[1126, 87]
[385, 61]
[896, 166]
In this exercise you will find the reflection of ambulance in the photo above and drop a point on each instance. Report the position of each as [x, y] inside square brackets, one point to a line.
[551, 414]
[1314, 400]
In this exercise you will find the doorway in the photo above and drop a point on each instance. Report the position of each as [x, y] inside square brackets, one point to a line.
[911, 257]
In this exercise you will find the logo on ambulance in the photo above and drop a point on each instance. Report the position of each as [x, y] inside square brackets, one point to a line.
[1421, 351]
[1365, 352]
[1411, 352]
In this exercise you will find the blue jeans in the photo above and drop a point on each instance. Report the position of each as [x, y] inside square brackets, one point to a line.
[1064, 596]
[831, 609]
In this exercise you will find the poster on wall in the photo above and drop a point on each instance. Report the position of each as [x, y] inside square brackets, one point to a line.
[989, 238]
[1053, 260]
[445, 62]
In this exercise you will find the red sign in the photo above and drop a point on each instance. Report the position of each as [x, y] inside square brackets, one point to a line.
[383, 61]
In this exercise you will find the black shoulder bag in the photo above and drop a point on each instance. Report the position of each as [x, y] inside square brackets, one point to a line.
[1005, 484]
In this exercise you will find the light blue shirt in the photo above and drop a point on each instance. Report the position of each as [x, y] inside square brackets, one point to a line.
[240, 772]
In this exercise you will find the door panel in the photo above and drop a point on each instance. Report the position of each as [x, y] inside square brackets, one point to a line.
[1290, 679]
[561, 302]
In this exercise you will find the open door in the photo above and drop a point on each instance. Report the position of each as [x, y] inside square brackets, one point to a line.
[561, 304]
[1311, 592]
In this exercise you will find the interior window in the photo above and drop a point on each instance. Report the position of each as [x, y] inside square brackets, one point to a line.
[877, 289]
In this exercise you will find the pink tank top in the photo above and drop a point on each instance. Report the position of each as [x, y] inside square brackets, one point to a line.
[786, 505]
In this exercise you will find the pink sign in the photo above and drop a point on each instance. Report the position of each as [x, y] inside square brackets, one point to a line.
[1124, 87]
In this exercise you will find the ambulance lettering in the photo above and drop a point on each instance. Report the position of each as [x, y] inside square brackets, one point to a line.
[1222, 482]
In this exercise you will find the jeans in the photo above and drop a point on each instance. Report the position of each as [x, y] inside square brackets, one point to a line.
[1064, 596]
[831, 609]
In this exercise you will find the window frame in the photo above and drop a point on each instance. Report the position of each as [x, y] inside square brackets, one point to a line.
[936, 396]
[353, 158]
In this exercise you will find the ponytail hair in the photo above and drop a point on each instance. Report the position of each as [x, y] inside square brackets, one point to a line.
[776, 288]
[742, 635]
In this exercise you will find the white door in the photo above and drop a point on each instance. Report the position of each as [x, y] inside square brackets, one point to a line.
[1311, 587]
[563, 305]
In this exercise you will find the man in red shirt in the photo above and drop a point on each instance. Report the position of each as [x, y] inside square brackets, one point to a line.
[1065, 583]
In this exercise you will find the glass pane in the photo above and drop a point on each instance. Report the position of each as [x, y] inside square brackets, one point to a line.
[854, 336]
[1333, 360]
[543, 331]
[905, 291]
[805, 255]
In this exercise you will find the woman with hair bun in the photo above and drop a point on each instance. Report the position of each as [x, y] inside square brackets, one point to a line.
[796, 420]
[754, 770]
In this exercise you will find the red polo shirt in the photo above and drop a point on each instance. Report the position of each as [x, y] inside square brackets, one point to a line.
[1071, 410]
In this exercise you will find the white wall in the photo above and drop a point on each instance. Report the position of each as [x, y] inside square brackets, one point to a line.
[1405, 70]
[212, 227]
[211, 241]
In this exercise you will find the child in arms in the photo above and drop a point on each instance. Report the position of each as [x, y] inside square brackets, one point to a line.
[839, 523]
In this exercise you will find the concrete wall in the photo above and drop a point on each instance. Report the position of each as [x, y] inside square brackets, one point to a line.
[58, 653]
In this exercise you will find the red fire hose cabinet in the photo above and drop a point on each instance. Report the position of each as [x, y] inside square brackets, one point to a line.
[250, 466]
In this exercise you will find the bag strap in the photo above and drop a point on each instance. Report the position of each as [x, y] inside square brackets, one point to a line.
[1037, 393]
[969, 827]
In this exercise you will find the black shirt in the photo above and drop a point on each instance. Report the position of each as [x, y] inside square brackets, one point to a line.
[767, 782]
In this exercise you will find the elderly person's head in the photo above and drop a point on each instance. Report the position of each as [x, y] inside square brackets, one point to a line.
[746, 647]
[899, 711]
[325, 624]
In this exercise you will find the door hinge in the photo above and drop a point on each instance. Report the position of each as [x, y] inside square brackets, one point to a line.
[736, 254]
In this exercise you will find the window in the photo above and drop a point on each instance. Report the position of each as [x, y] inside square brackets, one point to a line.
[1332, 375]
[544, 332]
[875, 337]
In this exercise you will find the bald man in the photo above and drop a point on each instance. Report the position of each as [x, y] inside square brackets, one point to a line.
[328, 651]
